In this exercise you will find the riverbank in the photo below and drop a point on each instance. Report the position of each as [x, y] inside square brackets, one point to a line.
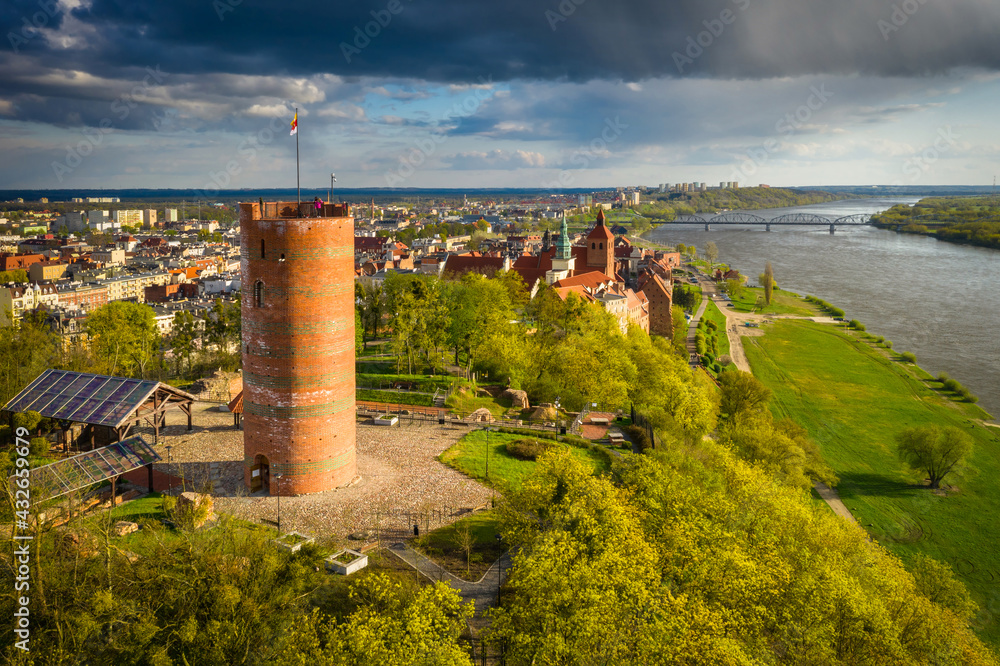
[853, 396]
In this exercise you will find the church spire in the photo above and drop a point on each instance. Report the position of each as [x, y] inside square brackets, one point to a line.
[563, 245]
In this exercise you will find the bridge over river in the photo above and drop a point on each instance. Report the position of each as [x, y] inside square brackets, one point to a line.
[808, 219]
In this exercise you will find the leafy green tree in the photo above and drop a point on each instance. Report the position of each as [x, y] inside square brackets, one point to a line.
[711, 252]
[124, 338]
[18, 275]
[742, 392]
[27, 348]
[182, 338]
[482, 323]
[387, 628]
[418, 316]
[767, 282]
[934, 450]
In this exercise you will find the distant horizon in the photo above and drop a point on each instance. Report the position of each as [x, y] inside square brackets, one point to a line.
[64, 195]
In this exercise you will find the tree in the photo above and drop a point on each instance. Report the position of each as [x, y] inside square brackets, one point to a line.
[18, 275]
[182, 338]
[933, 449]
[27, 347]
[734, 288]
[742, 392]
[767, 281]
[124, 338]
[711, 252]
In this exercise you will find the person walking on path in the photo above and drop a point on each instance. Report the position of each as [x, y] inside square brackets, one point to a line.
[318, 205]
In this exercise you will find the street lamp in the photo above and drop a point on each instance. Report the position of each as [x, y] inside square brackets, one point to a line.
[487, 453]
[333, 179]
[170, 478]
[277, 489]
[499, 569]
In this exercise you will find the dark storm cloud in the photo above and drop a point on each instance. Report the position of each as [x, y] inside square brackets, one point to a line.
[458, 40]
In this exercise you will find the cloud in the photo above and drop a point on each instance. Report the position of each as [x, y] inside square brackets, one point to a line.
[496, 159]
[456, 41]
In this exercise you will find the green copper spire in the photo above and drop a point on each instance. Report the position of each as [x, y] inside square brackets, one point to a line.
[563, 250]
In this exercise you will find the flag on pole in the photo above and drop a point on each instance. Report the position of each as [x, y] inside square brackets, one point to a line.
[295, 124]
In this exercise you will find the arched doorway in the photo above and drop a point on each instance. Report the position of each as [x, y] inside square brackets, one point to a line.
[260, 474]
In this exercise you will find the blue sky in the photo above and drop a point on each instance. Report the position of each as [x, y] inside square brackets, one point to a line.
[449, 93]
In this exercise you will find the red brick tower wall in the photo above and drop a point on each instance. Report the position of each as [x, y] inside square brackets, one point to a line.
[298, 345]
[601, 249]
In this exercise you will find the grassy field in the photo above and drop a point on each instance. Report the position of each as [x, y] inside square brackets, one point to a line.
[396, 397]
[442, 545]
[469, 456]
[782, 302]
[712, 313]
[854, 398]
[468, 402]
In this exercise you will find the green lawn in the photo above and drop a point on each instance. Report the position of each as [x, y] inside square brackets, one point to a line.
[712, 313]
[468, 402]
[396, 397]
[782, 302]
[424, 383]
[854, 399]
[469, 456]
[442, 545]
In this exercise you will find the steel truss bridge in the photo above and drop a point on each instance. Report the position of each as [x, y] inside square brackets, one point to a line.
[797, 219]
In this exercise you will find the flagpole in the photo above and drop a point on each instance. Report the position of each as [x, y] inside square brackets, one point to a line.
[298, 185]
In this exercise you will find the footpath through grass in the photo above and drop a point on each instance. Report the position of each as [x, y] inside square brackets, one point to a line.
[853, 400]
[445, 545]
[469, 455]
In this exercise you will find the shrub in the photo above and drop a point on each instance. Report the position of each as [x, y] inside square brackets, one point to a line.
[879, 339]
[28, 420]
[909, 357]
[943, 377]
[951, 385]
[38, 446]
[856, 325]
[528, 449]
[639, 436]
[836, 312]
[887, 344]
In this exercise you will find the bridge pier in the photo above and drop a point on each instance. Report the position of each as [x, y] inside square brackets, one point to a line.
[708, 228]
[767, 227]
[833, 229]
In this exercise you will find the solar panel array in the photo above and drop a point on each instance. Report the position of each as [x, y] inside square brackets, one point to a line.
[85, 469]
[82, 397]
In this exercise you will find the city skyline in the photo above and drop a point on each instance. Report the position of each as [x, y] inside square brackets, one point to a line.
[575, 94]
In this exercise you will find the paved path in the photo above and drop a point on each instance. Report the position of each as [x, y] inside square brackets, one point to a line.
[831, 497]
[482, 592]
[734, 321]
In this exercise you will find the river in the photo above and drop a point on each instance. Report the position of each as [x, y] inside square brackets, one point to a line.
[939, 300]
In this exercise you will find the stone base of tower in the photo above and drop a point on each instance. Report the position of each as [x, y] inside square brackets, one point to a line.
[311, 448]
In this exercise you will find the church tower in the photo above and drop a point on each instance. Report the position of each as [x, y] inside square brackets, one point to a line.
[563, 262]
[601, 247]
[298, 347]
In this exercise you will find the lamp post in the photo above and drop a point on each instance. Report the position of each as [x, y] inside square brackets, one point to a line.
[277, 488]
[487, 453]
[499, 570]
[333, 179]
[170, 478]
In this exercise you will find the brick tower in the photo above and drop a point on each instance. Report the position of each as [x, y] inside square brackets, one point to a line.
[601, 247]
[298, 347]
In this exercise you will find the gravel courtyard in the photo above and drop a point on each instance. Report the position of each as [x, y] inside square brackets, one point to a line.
[399, 475]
